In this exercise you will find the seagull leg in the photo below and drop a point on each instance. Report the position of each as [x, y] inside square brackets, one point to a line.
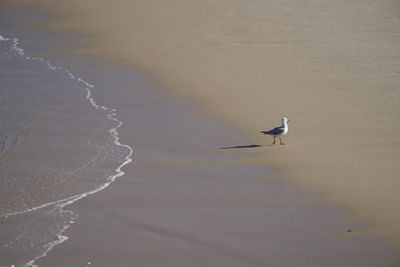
[281, 140]
[274, 140]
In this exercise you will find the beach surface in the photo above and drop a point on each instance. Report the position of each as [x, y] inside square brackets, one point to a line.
[184, 201]
[193, 197]
[332, 67]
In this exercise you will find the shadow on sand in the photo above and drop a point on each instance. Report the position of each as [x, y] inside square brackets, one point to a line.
[243, 146]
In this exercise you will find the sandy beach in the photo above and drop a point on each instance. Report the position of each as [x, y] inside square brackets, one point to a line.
[220, 72]
[185, 202]
[331, 67]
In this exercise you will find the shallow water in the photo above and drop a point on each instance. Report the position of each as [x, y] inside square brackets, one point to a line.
[57, 145]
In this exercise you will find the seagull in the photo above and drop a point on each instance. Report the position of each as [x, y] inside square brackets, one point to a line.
[278, 131]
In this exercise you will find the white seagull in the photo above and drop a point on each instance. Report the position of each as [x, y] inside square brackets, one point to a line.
[278, 131]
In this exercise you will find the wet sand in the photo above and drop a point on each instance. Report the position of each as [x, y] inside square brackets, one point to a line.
[184, 201]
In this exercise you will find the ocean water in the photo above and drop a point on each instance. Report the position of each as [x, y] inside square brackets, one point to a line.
[57, 145]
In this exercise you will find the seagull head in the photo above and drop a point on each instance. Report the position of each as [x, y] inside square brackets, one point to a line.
[284, 120]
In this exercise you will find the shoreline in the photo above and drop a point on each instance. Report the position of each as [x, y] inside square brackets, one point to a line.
[209, 53]
[242, 161]
[48, 216]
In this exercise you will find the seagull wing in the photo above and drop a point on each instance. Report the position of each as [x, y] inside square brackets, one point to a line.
[274, 131]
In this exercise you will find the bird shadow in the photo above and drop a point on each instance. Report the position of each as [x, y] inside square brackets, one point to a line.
[241, 146]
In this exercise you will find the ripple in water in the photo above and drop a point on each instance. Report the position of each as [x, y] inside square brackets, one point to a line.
[57, 145]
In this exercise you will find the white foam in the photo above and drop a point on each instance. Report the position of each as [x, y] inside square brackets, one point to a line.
[111, 115]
